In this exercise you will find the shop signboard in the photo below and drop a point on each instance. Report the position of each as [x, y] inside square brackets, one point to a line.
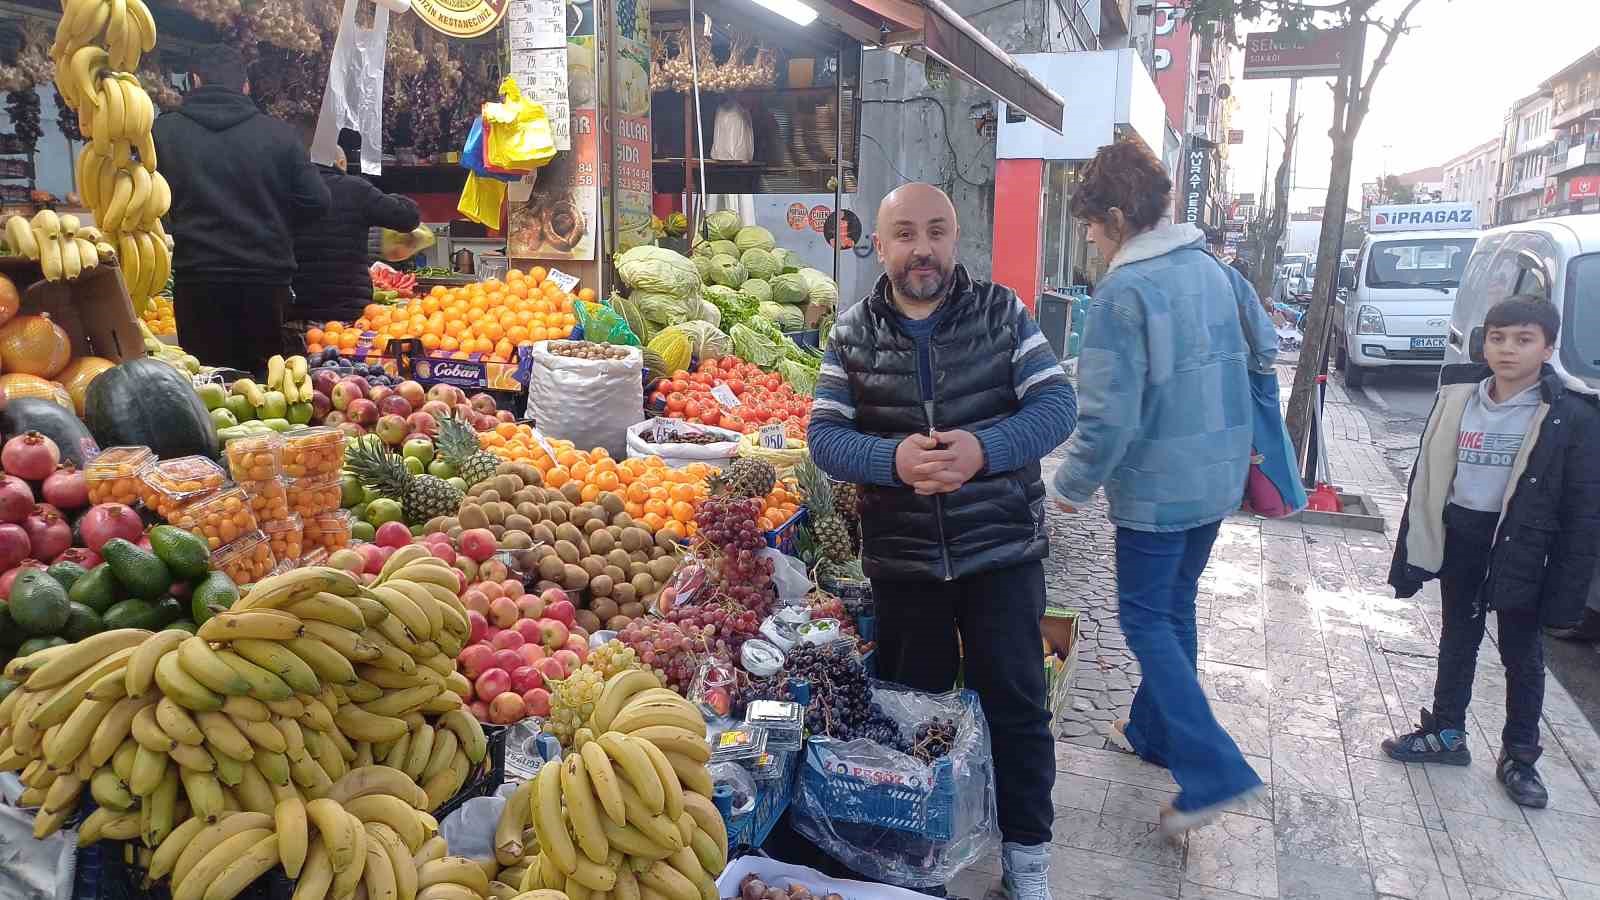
[1421, 217]
[1313, 53]
[460, 18]
[1174, 59]
[557, 216]
[628, 126]
[1584, 187]
[1196, 184]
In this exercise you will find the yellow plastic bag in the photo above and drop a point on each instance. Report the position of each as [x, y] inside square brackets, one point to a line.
[517, 135]
[482, 200]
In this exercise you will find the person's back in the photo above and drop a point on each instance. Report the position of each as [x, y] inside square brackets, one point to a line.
[332, 255]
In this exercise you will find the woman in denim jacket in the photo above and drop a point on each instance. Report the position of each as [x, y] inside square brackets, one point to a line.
[1164, 424]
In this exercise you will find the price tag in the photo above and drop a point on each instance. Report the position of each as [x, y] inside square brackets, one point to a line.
[773, 437]
[544, 444]
[563, 280]
[725, 396]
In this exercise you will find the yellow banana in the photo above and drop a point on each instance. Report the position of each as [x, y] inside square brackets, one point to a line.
[83, 69]
[337, 829]
[117, 207]
[147, 731]
[658, 828]
[225, 736]
[149, 767]
[391, 812]
[469, 732]
[142, 664]
[671, 788]
[289, 818]
[140, 14]
[139, 200]
[246, 709]
[254, 624]
[19, 236]
[330, 666]
[443, 785]
[420, 752]
[242, 872]
[71, 260]
[398, 703]
[60, 703]
[110, 791]
[379, 876]
[264, 685]
[453, 870]
[618, 690]
[328, 609]
[205, 666]
[673, 739]
[706, 817]
[73, 739]
[191, 883]
[345, 881]
[230, 771]
[548, 821]
[79, 656]
[88, 255]
[204, 792]
[678, 713]
[180, 687]
[405, 871]
[166, 853]
[636, 769]
[583, 810]
[425, 604]
[280, 661]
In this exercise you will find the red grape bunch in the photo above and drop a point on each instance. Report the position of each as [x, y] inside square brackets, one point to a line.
[731, 526]
[666, 649]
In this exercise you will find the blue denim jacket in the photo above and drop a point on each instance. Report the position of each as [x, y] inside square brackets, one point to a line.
[1164, 403]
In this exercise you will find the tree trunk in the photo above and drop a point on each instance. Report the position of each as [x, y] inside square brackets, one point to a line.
[1277, 220]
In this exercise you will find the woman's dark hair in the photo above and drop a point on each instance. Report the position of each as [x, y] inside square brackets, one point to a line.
[1125, 176]
[1525, 309]
[219, 65]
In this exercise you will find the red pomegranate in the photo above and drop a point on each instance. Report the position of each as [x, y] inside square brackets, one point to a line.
[16, 499]
[14, 545]
[105, 521]
[66, 488]
[48, 532]
[30, 456]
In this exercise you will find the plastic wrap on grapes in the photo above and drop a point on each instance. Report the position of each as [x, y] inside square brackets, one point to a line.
[760, 658]
[782, 635]
[713, 688]
[788, 575]
[600, 637]
[688, 581]
[739, 779]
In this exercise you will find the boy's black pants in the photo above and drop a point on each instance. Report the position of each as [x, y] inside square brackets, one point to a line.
[1469, 536]
[996, 614]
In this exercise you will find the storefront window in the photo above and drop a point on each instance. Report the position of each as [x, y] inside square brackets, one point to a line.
[1057, 229]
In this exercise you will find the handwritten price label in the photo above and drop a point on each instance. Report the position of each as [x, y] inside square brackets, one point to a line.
[727, 398]
[563, 280]
[772, 437]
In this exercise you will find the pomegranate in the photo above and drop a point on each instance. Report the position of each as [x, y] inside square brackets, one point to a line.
[83, 556]
[49, 534]
[66, 488]
[15, 546]
[16, 499]
[30, 456]
[110, 520]
[11, 574]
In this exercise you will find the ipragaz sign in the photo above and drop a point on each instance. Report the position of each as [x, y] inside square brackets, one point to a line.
[1422, 217]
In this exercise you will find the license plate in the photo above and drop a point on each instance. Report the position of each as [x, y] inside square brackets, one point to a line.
[1427, 343]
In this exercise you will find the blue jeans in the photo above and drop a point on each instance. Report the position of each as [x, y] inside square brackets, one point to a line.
[1171, 725]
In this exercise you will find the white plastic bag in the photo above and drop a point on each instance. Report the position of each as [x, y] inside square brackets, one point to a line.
[590, 402]
[470, 830]
[788, 574]
[354, 96]
[676, 454]
[733, 138]
[33, 868]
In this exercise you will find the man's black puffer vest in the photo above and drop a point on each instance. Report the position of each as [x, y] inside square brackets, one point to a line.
[996, 519]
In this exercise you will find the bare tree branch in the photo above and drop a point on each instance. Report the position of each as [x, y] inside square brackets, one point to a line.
[1391, 35]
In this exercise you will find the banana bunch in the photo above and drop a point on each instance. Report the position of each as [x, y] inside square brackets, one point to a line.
[171, 354]
[63, 248]
[96, 51]
[629, 814]
[292, 376]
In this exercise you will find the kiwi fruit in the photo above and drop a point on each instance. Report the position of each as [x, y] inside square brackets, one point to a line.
[573, 492]
[643, 584]
[632, 610]
[454, 532]
[579, 516]
[603, 605]
[586, 620]
[543, 533]
[639, 556]
[477, 489]
[568, 532]
[601, 541]
[594, 526]
[594, 565]
[496, 513]
[498, 530]
[574, 577]
[623, 592]
[629, 540]
[612, 504]
[600, 584]
[617, 557]
[665, 539]
[515, 539]
[661, 569]
[568, 551]
[531, 511]
[507, 485]
[473, 516]
[518, 522]
[618, 622]
[556, 513]
[617, 573]
[551, 567]
[489, 495]
[622, 520]
[523, 495]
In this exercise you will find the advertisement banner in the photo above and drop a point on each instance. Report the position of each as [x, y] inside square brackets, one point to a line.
[1584, 187]
[460, 18]
[629, 127]
[1196, 184]
[1421, 217]
[1174, 58]
[557, 215]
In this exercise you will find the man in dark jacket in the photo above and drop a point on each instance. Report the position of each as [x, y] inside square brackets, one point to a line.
[334, 280]
[940, 395]
[1504, 509]
[241, 182]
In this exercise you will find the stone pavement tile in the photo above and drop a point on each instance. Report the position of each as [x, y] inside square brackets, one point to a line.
[1316, 828]
[1484, 892]
[1310, 764]
[1383, 791]
[1111, 765]
[1559, 707]
[1499, 854]
[1402, 883]
[1398, 845]
[1234, 684]
[1357, 688]
[1289, 607]
[1080, 875]
[1568, 842]
[1239, 645]
[1577, 890]
[1247, 725]
[1296, 637]
[1294, 676]
[1117, 836]
[1305, 879]
[1141, 804]
[1235, 853]
[1258, 803]
[1192, 891]
[1444, 852]
[1582, 746]
[1427, 801]
[1365, 730]
[1078, 792]
[1472, 790]
[1311, 715]
[1568, 793]
[1347, 646]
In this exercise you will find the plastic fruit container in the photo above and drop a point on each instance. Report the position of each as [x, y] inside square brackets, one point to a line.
[256, 458]
[246, 560]
[269, 499]
[171, 484]
[327, 531]
[114, 475]
[310, 452]
[315, 495]
[286, 537]
[218, 519]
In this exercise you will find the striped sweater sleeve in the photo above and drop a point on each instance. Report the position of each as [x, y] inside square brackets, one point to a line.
[1049, 407]
[836, 445]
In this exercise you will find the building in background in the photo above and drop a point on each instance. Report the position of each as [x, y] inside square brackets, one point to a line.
[1474, 177]
[1575, 123]
[1527, 153]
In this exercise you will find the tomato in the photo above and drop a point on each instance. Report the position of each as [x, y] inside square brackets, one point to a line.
[675, 403]
[691, 409]
[677, 385]
[730, 362]
[736, 386]
[734, 423]
[711, 416]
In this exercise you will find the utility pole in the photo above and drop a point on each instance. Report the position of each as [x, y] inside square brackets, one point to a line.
[1294, 158]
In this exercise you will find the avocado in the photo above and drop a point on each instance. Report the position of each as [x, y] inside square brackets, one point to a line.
[67, 573]
[169, 610]
[183, 625]
[38, 603]
[97, 589]
[33, 645]
[212, 595]
[6, 687]
[81, 622]
[141, 572]
[133, 613]
[185, 554]
[10, 634]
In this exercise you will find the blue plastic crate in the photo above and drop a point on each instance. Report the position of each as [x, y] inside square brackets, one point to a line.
[772, 801]
[927, 810]
[784, 536]
[810, 338]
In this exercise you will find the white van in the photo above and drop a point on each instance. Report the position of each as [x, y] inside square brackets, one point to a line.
[1396, 309]
[1557, 259]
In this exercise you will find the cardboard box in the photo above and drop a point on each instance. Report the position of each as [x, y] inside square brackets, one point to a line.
[93, 309]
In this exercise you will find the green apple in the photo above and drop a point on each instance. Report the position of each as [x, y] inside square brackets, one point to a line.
[384, 510]
[420, 448]
[459, 484]
[300, 413]
[274, 405]
[441, 468]
[350, 491]
[413, 465]
[213, 395]
[221, 418]
[240, 406]
[279, 425]
[370, 494]
[359, 512]
[418, 530]
[363, 531]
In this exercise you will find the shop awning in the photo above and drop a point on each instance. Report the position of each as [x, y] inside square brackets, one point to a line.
[923, 29]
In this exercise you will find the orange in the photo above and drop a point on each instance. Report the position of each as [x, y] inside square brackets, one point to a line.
[654, 522]
[656, 506]
[349, 339]
[430, 342]
[589, 493]
[314, 335]
[606, 481]
[683, 512]
[537, 274]
[586, 295]
[313, 349]
[635, 510]
[557, 476]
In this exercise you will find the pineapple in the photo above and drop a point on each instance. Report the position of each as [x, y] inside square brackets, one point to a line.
[458, 443]
[744, 477]
[847, 500]
[422, 497]
[827, 527]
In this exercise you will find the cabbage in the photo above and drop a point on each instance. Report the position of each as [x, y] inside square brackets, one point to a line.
[754, 237]
[723, 224]
[709, 312]
[701, 248]
[788, 318]
[727, 271]
[820, 289]
[759, 342]
[658, 270]
[734, 306]
[702, 264]
[724, 248]
[708, 341]
[790, 288]
[788, 260]
[665, 309]
[758, 290]
[759, 263]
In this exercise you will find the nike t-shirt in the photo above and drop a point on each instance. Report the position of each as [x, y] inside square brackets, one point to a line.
[1491, 436]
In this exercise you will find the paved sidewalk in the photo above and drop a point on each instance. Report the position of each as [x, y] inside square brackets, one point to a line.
[1309, 662]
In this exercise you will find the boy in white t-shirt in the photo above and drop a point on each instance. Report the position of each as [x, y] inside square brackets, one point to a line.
[1504, 509]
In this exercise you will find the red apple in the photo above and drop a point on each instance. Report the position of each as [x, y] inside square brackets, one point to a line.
[392, 534]
[476, 601]
[551, 668]
[444, 551]
[323, 380]
[390, 429]
[562, 611]
[507, 708]
[345, 393]
[526, 678]
[503, 612]
[479, 710]
[530, 631]
[393, 405]
[531, 606]
[436, 408]
[507, 659]
[468, 570]
[475, 659]
[351, 430]
[553, 632]
[479, 544]
[414, 393]
[494, 570]
[365, 413]
[504, 415]
[361, 382]
[579, 645]
[537, 701]
[378, 393]
[373, 554]
[477, 626]
[334, 418]
[513, 587]
[569, 660]
[321, 406]
[508, 639]
[484, 403]
[422, 423]
[531, 653]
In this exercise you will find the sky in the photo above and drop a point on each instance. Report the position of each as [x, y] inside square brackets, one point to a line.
[1446, 89]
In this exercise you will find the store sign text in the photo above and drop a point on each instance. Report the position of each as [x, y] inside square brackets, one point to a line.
[461, 18]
